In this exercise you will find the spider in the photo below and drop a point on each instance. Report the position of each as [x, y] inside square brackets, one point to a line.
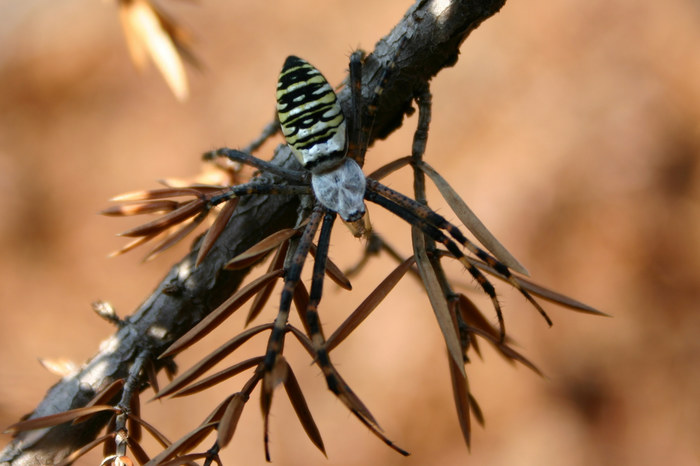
[316, 130]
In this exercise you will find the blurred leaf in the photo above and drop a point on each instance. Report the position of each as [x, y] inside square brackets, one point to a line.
[508, 352]
[110, 448]
[215, 416]
[473, 317]
[107, 394]
[61, 367]
[133, 244]
[146, 36]
[476, 410]
[516, 356]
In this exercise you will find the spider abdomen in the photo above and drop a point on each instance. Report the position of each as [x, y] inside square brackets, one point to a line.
[310, 116]
[313, 124]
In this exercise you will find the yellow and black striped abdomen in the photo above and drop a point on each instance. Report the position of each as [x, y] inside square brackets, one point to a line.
[310, 116]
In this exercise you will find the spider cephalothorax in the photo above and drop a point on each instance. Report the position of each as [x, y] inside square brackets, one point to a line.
[313, 124]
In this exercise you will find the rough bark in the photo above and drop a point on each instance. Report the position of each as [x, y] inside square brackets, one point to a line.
[434, 30]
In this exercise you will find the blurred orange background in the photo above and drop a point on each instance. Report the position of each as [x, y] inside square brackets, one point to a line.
[572, 128]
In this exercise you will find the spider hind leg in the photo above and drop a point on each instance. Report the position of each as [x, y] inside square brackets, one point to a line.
[334, 381]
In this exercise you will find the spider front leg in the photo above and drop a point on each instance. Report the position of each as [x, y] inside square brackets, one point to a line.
[432, 223]
[262, 165]
[255, 187]
[298, 179]
[435, 234]
[362, 120]
[357, 132]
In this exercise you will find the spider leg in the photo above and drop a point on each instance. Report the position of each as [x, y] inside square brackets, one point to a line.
[262, 165]
[335, 382]
[315, 330]
[269, 130]
[436, 234]
[291, 279]
[424, 101]
[314, 325]
[356, 140]
[431, 218]
[275, 344]
[373, 103]
[363, 120]
[439, 221]
[256, 187]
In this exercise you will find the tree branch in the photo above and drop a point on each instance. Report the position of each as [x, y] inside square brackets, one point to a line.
[434, 31]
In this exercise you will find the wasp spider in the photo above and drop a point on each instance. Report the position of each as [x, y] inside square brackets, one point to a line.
[317, 131]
